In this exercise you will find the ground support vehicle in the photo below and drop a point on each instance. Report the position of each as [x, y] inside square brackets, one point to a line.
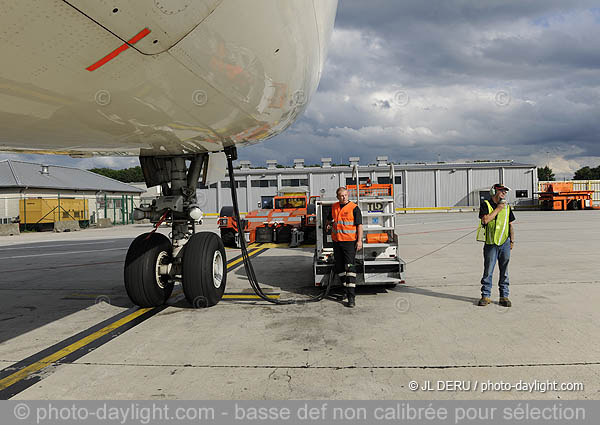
[561, 196]
[378, 263]
[292, 220]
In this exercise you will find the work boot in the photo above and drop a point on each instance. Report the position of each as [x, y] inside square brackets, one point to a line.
[345, 294]
[351, 297]
[505, 302]
[484, 301]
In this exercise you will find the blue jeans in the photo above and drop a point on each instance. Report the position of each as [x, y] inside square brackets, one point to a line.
[491, 254]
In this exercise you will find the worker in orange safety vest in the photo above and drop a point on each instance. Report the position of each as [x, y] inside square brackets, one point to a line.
[345, 223]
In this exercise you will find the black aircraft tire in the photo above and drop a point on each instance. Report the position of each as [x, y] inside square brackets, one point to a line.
[226, 212]
[228, 236]
[204, 270]
[142, 284]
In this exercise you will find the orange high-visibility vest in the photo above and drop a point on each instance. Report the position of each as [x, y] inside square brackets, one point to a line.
[343, 222]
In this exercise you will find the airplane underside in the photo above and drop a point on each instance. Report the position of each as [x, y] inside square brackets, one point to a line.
[139, 77]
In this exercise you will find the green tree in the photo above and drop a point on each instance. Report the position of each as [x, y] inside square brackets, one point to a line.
[126, 175]
[587, 173]
[545, 174]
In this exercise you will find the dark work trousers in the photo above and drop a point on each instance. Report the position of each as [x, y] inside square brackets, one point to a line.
[344, 253]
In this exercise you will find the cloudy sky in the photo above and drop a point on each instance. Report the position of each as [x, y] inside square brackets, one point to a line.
[455, 80]
[450, 80]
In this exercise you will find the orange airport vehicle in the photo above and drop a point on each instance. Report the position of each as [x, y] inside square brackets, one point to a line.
[561, 196]
[292, 220]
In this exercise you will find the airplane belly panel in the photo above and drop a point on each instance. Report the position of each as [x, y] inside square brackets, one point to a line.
[170, 20]
[228, 81]
[271, 75]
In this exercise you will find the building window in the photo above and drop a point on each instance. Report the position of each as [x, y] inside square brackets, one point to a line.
[264, 183]
[350, 180]
[521, 194]
[238, 183]
[294, 182]
[266, 202]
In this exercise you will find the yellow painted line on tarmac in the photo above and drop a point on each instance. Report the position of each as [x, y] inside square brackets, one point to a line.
[252, 245]
[284, 245]
[39, 365]
[60, 354]
[250, 254]
[273, 245]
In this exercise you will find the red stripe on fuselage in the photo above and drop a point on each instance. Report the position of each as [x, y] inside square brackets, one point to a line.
[143, 33]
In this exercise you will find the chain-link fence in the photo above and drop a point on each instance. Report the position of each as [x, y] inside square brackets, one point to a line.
[118, 209]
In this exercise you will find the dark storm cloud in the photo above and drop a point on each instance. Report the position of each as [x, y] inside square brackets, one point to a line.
[455, 80]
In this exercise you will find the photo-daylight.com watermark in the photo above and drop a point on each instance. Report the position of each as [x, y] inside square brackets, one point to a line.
[300, 412]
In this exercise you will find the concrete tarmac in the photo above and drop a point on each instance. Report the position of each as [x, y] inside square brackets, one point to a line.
[429, 330]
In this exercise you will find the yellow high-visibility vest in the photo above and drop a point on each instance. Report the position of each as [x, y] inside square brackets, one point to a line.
[496, 231]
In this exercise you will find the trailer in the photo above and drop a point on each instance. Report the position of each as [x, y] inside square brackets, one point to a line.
[561, 196]
[378, 262]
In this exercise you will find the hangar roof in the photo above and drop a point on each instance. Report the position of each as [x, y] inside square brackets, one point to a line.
[21, 174]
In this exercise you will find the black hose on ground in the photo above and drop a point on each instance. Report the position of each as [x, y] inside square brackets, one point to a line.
[231, 154]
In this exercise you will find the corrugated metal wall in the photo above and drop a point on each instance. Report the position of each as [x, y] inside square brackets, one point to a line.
[420, 187]
[226, 198]
[329, 182]
[482, 179]
[453, 188]
[207, 199]
[519, 180]
[399, 193]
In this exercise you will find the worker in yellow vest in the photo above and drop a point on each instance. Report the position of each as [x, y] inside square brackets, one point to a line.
[347, 235]
[497, 219]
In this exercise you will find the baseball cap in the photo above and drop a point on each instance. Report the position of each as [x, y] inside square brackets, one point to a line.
[499, 186]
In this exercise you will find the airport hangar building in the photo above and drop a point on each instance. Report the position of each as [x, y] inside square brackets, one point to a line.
[417, 187]
[106, 197]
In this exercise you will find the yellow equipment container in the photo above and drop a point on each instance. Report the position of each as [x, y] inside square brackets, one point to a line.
[42, 210]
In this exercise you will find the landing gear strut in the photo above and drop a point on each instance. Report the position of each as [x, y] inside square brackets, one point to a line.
[197, 260]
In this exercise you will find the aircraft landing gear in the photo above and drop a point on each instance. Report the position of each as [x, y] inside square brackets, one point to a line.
[197, 260]
[146, 285]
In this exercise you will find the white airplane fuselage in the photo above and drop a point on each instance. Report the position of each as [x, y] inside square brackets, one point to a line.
[156, 77]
